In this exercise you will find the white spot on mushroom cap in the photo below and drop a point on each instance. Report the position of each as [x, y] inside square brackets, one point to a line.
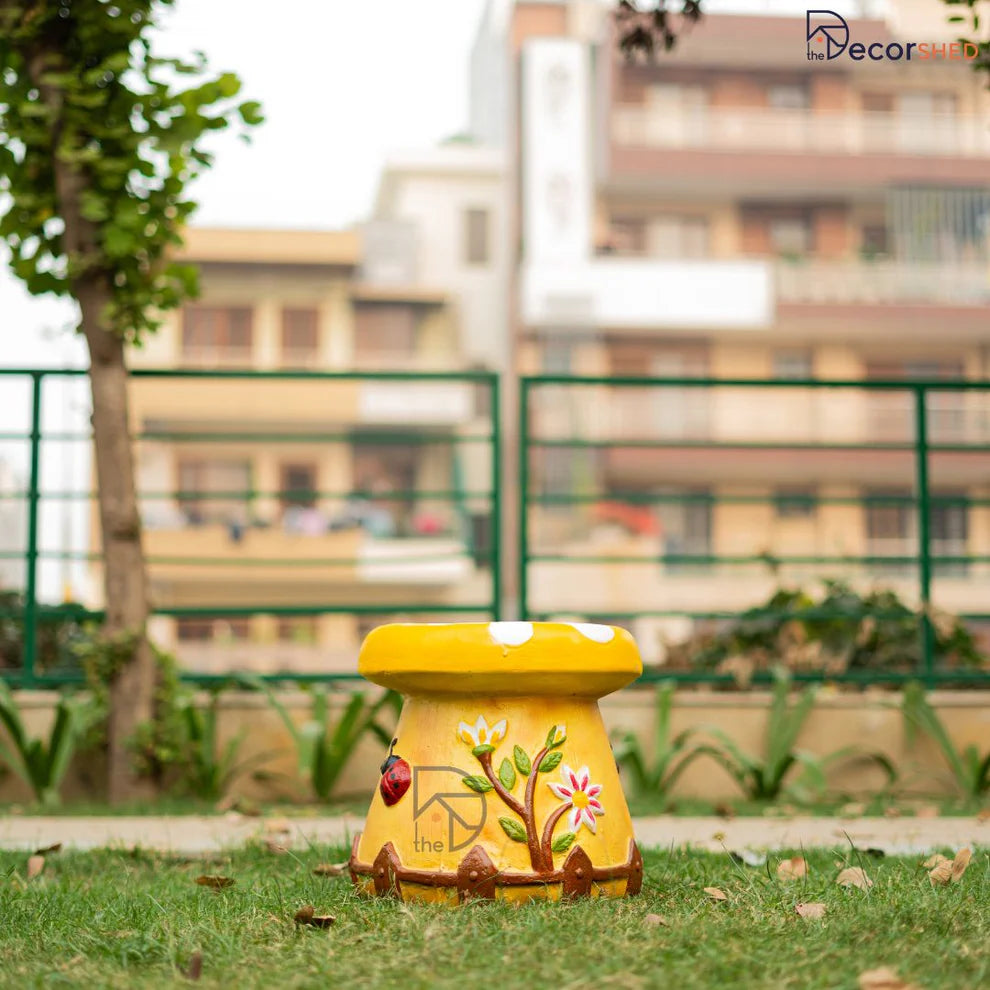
[594, 631]
[511, 633]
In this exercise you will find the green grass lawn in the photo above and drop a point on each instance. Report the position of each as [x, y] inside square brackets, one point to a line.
[122, 919]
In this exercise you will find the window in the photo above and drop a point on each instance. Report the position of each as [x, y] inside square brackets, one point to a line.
[557, 357]
[300, 337]
[296, 629]
[889, 513]
[790, 236]
[383, 331]
[793, 365]
[878, 102]
[678, 237]
[298, 485]
[873, 241]
[476, 235]
[788, 96]
[196, 629]
[215, 336]
[794, 503]
[628, 235]
[385, 476]
[949, 517]
[214, 491]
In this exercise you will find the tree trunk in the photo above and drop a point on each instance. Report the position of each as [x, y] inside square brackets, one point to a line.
[125, 581]
[132, 688]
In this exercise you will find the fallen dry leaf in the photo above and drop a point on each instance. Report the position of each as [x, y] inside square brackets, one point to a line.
[306, 916]
[278, 826]
[933, 861]
[949, 870]
[715, 894]
[940, 872]
[852, 810]
[854, 876]
[35, 865]
[274, 846]
[214, 881]
[960, 863]
[812, 911]
[793, 868]
[984, 816]
[53, 848]
[725, 811]
[883, 978]
[891, 812]
[195, 968]
[330, 869]
[657, 919]
[927, 811]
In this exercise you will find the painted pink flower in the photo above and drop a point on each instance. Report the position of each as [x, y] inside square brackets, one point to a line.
[581, 794]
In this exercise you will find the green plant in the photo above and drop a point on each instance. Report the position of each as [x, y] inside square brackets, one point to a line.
[839, 630]
[327, 740]
[207, 770]
[40, 763]
[970, 767]
[765, 776]
[656, 772]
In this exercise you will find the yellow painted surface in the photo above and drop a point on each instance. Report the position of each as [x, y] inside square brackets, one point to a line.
[464, 689]
[555, 659]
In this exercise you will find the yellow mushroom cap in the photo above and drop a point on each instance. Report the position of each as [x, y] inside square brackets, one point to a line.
[507, 658]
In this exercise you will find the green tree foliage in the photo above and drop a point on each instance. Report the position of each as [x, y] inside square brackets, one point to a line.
[101, 141]
[81, 89]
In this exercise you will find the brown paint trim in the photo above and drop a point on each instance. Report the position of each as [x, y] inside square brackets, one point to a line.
[477, 876]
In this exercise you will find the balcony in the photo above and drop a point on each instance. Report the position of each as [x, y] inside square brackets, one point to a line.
[882, 282]
[803, 132]
[256, 557]
[753, 151]
[648, 293]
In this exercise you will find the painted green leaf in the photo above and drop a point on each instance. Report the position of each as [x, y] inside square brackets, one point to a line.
[522, 761]
[507, 775]
[479, 784]
[551, 761]
[514, 829]
[481, 750]
[563, 842]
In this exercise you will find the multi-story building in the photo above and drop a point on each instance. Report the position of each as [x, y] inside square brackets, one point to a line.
[13, 528]
[328, 496]
[733, 210]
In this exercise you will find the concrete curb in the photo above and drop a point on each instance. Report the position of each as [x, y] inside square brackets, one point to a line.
[193, 835]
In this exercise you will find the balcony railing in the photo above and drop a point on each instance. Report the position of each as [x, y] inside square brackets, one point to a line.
[870, 282]
[771, 131]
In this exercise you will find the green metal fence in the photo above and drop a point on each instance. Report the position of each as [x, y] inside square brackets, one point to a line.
[473, 519]
[603, 462]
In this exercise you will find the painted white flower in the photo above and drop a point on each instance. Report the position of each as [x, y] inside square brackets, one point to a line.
[557, 734]
[581, 794]
[481, 734]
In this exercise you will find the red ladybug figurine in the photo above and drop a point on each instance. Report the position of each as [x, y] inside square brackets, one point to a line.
[396, 777]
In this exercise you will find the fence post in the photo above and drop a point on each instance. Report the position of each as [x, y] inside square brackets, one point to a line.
[924, 533]
[31, 557]
[495, 529]
[523, 440]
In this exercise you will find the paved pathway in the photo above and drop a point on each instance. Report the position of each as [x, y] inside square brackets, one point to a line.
[195, 835]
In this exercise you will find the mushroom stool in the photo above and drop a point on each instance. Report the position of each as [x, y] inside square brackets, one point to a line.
[500, 782]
